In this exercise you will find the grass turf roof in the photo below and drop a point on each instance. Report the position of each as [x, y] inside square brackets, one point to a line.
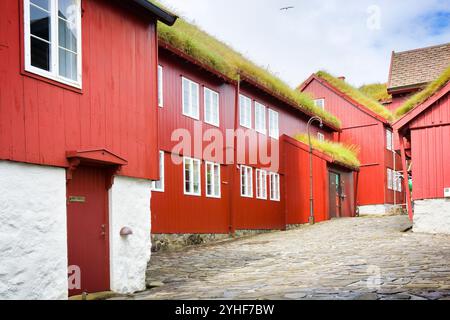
[206, 49]
[356, 95]
[346, 155]
[377, 91]
[423, 95]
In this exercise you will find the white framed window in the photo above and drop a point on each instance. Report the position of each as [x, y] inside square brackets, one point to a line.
[320, 136]
[159, 185]
[52, 40]
[320, 103]
[399, 182]
[211, 107]
[191, 176]
[390, 179]
[245, 111]
[274, 131]
[274, 186]
[389, 140]
[190, 97]
[261, 184]
[160, 87]
[212, 179]
[246, 181]
[260, 118]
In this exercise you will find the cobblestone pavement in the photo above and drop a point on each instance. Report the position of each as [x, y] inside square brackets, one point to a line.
[356, 258]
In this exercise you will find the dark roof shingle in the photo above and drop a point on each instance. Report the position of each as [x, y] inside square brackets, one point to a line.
[419, 66]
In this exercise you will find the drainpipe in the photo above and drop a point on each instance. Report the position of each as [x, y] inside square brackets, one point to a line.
[394, 179]
[232, 189]
[311, 191]
[405, 176]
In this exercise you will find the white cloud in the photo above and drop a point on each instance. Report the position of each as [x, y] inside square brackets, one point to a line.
[323, 34]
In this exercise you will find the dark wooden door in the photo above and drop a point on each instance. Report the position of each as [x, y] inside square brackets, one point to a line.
[334, 195]
[87, 229]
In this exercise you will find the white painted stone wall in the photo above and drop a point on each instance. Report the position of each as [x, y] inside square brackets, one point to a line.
[432, 216]
[33, 236]
[129, 205]
[375, 210]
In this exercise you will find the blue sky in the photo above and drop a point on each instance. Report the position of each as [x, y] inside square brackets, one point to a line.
[351, 38]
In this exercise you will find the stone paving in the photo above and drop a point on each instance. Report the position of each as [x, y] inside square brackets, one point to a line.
[355, 258]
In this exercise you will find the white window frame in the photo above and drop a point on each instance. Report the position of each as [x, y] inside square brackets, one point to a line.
[260, 118]
[161, 174]
[192, 162]
[389, 140]
[320, 103]
[274, 118]
[160, 86]
[211, 93]
[53, 74]
[261, 184]
[274, 188]
[192, 113]
[214, 181]
[320, 136]
[245, 111]
[248, 173]
[390, 180]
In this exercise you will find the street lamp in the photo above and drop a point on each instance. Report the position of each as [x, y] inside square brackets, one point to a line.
[311, 196]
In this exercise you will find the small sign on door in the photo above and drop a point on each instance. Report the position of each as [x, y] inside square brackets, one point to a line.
[78, 199]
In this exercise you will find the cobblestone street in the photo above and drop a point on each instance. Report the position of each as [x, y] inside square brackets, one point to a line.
[357, 258]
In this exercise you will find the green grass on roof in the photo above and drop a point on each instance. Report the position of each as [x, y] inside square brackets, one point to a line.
[340, 153]
[206, 49]
[356, 95]
[377, 91]
[423, 95]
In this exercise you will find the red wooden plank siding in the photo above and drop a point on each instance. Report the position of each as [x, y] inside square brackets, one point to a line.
[174, 212]
[116, 110]
[361, 129]
[430, 132]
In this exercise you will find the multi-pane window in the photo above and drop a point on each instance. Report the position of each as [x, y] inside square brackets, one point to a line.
[190, 98]
[246, 181]
[211, 107]
[159, 185]
[320, 136]
[389, 140]
[390, 178]
[191, 169]
[260, 118]
[273, 124]
[53, 39]
[399, 182]
[320, 103]
[274, 186]
[261, 184]
[245, 111]
[160, 87]
[212, 180]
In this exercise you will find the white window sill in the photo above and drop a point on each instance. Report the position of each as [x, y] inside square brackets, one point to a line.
[52, 77]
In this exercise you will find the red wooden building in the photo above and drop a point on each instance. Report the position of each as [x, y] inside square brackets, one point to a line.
[411, 71]
[78, 144]
[379, 184]
[201, 193]
[424, 133]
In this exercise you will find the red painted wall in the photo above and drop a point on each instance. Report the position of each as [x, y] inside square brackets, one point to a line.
[174, 212]
[430, 133]
[116, 108]
[296, 166]
[362, 129]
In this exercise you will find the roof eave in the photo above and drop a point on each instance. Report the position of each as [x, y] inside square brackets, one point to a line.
[161, 14]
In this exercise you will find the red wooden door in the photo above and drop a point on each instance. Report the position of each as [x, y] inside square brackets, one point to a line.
[334, 195]
[87, 229]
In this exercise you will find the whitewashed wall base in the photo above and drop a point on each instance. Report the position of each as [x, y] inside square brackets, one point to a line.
[432, 216]
[129, 205]
[375, 210]
[33, 234]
